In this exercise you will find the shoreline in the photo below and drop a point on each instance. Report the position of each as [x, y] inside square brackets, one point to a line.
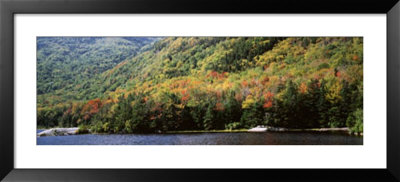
[268, 129]
[58, 132]
[258, 129]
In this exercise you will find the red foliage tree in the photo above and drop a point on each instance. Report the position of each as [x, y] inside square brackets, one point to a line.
[92, 107]
[219, 107]
[268, 97]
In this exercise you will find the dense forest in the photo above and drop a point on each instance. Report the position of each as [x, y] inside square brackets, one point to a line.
[65, 62]
[146, 85]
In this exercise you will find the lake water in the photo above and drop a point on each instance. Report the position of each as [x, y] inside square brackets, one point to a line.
[265, 138]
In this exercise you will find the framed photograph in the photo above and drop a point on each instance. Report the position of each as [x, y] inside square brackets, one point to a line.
[132, 90]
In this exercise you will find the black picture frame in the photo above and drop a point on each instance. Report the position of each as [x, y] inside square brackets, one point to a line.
[9, 8]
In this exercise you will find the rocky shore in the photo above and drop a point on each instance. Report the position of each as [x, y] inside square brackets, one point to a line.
[267, 128]
[58, 132]
[74, 131]
[270, 128]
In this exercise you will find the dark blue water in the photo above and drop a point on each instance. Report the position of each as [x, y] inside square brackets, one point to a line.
[265, 138]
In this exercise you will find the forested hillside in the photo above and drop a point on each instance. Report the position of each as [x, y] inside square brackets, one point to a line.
[65, 62]
[202, 83]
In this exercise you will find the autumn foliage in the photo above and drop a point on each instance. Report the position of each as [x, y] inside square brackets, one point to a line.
[206, 83]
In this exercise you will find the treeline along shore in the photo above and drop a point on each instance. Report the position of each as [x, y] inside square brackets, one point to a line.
[77, 131]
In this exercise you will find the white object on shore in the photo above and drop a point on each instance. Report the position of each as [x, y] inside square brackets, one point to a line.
[266, 128]
[58, 132]
[258, 129]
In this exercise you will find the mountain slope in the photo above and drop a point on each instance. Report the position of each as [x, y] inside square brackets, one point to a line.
[63, 62]
[206, 83]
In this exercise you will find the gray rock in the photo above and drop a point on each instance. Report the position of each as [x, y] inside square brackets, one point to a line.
[276, 129]
[258, 129]
[58, 132]
[266, 128]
